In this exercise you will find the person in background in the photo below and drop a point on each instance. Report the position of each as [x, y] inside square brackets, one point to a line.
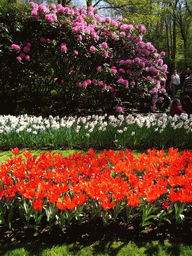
[186, 103]
[184, 75]
[175, 109]
[187, 86]
[175, 82]
[163, 80]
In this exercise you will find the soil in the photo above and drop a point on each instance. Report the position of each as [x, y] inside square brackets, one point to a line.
[94, 231]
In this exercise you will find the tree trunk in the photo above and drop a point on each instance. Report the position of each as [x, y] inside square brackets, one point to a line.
[89, 3]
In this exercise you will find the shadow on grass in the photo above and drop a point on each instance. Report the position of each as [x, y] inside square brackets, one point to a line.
[99, 239]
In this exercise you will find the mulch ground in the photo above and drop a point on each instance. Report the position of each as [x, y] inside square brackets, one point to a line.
[94, 231]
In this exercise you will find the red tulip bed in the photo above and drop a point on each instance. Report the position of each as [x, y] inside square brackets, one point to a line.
[113, 187]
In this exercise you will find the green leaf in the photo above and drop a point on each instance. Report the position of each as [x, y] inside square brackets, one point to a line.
[147, 223]
[150, 217]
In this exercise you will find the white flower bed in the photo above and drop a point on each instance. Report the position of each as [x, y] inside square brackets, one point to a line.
[102, 131]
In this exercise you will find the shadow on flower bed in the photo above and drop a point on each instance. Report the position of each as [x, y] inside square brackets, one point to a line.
[59, 105]
[89, 233]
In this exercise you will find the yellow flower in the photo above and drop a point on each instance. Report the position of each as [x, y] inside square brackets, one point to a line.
[55, 79]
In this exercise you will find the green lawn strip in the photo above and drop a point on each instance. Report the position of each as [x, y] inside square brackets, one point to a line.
[5, 155]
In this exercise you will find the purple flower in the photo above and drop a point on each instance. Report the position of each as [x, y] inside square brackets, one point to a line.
[98, 18]
[34, 11]
[154, 90]
[160, 61]
[19, 58]
[137, 73]
[26, 49]
[27, 57]
[154, 101]
[84, 84]
[119, 109]
[132, 83]
[138, 60]
[16, 47]
[126, 27]
[76, 52]
[122, 62]
[146, 52]
[34, 5]
[163, 90]
[105, 54]
[141, 28]
[79, 37]
[107, 19]
[142, 64]
[153, 108]
[43, 40]
[63, 48]
[164, 68]
[59, 6]
[114, 70]
[128, 62]
[121, 70]
[92, 49]
[123, 34]
[148, 78]
[151, 69]
[53, 6]
[104, 45]
[91, 14]
[120, 80]
[88, 81]
[51, 17]
[75, 29]
[22, 55]
[138, 50]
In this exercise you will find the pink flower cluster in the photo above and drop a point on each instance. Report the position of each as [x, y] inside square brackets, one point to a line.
[15, 47]
[51, 17]
[92, 49]
[122, 81]
[25, 49]
[104, 45]
[141, 28]
[63, 47]
[119, 109]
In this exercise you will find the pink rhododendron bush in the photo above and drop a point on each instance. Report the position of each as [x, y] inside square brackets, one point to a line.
[100, 62]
